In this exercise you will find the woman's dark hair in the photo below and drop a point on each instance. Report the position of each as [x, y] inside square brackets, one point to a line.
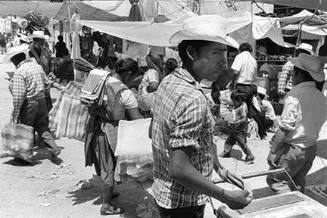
[18, 58]
[306, 76]
[171, 64]
[215, 92]
[127, 65]
[196, 44]
[245, 47]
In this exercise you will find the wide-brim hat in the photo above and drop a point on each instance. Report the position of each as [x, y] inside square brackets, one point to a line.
[14, 51]
[307, 47]
[198, 28]
[262, 91]
[39, 35]
[311, 64]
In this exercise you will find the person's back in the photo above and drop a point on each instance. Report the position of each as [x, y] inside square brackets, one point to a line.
[245, 65]
[33, 75]
[312, 106]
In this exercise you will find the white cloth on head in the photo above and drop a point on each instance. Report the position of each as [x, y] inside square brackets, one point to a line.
[247, 66]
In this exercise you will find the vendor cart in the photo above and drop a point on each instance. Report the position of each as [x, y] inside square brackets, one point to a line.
[287, 205]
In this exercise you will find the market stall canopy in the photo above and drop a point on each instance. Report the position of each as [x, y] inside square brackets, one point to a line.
[21, 8]
[150, 9]
[312, 24]
[86, 12]
[158, 34]
[232, 8]
[309, 4]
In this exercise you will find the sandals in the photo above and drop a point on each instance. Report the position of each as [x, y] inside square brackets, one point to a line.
[110, 210]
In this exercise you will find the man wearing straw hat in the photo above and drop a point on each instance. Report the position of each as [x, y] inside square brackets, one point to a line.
[27, 89]
[183, 150]
[294, 145]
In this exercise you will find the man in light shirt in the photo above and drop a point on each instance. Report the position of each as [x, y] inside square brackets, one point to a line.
[244, 66]
[294, 147]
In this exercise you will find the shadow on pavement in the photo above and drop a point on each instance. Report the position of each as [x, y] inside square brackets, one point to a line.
[89, 190]
[21, 163]
[43, 153]
[132, 198]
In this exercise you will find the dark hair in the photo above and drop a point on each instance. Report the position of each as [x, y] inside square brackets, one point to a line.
[126, 65]
[245, 47]
[171, 64]
[305, 75]
[60, 38]
[215, 92]
[18, 58]
[196, 44]
[238, 95]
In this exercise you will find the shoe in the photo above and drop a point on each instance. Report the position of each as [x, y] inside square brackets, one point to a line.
[55, 152]
[249, 158]
[224, 154]
[110, 210]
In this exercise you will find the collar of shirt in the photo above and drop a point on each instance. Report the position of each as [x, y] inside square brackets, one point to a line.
[185, 75]
[303, 85]
[23, 62]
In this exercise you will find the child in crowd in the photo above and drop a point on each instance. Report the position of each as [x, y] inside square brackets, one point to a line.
[238, 127]
[270, 116]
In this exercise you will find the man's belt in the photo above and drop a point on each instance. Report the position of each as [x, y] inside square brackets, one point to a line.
[38, 96]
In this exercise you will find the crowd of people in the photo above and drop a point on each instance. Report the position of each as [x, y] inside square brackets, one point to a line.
[185, 112]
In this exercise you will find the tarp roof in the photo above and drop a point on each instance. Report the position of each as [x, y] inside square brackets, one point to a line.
[158, 34]
[20, 8]
[308, 4]
[86, 12]
[314, 24]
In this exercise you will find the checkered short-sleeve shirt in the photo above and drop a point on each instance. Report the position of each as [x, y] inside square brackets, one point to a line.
[181, 118]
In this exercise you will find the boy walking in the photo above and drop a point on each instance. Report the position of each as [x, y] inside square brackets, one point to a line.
[238, 127]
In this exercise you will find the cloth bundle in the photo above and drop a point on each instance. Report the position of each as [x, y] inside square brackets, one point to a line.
[134, 151]
[93, 85]
[82, 65]
[17, 141]
[68, 117]
[37, 18]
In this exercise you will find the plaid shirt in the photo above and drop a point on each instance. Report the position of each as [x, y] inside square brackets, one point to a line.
[285, 79]
[181, 118]
[27, 82]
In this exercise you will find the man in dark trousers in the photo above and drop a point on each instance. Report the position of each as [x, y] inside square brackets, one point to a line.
[28, 91]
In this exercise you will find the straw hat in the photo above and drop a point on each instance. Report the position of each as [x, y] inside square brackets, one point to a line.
[311, 64]
[262, 91]
[307, 47]
[39, 35]
[202, 28]
[14, 51]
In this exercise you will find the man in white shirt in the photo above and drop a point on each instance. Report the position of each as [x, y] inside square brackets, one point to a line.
[244, 66]
[293, 147]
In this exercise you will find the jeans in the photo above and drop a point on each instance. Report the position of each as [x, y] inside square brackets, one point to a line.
[297, 162]
[35, 113]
